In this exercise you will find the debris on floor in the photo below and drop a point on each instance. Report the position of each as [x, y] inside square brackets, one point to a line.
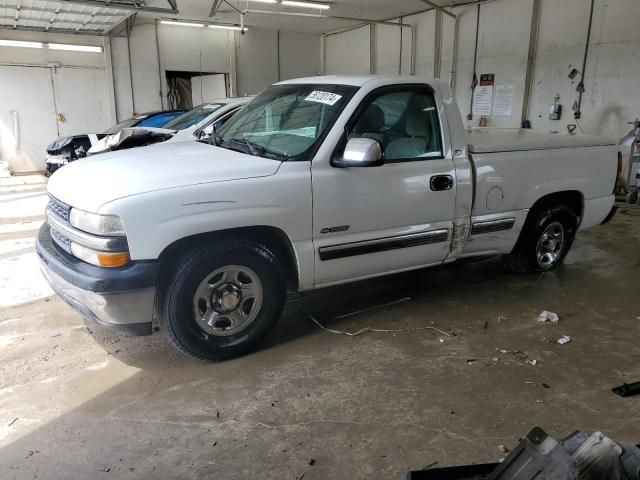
[546, 316]
[375, 307]
[378, 330]
[579, 456]
[564, 339]
[627, 389]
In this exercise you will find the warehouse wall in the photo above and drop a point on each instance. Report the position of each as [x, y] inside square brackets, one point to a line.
[611, 78]
[250, 60]
[49, 93]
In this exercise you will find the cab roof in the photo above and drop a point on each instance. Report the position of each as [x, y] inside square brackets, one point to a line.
[356, 80]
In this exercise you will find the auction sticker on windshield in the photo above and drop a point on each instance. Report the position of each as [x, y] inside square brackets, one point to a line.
[323, 97]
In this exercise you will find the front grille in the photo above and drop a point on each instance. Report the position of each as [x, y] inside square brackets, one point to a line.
[60, 240]
[59, 209]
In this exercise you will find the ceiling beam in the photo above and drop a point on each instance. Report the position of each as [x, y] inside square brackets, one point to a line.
[5, 26]
[68, 12]
[214, 8]
[122, 5]
[438, 7]
[364, 21]
[99, 26]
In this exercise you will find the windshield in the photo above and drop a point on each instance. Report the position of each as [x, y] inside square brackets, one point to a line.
[285, 122]
[130, 122]
[193, 116]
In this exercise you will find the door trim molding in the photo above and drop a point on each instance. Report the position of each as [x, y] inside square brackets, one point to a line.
[490, 226]
[332, 252]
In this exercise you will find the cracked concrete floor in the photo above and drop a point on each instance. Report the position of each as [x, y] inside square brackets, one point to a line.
[79, 403]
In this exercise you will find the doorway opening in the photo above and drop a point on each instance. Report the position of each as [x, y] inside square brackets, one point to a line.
[188, 89]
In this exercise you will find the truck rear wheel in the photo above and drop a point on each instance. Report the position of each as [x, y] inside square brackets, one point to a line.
[223, 299]
[544, 241]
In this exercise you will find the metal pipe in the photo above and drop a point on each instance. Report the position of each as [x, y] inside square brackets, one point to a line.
[372, 49]
[454, 57]
[584, 61]
[133, 98]
[531, 59]
[437, 48]
[400, 53]
[159, 67]
[475, 62]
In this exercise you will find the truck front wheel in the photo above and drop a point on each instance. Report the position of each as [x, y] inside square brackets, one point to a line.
[544, 241]
[223, 299]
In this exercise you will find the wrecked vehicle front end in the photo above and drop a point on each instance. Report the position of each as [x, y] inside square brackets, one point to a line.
[131, 138]
[65, 150]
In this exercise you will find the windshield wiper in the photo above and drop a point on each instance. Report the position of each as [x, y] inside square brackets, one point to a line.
[246, 146]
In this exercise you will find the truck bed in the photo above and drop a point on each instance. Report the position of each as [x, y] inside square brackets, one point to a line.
[489, 140]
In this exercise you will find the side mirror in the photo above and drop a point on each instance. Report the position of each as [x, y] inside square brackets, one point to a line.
[361, 152]
[206, 132]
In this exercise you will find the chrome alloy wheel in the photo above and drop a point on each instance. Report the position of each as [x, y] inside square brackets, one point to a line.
[228, 300]
[550, 245]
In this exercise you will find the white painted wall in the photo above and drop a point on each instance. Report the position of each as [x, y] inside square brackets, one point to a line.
[250, 60]
[348, 52]
[207, 88]
[299, 55]
[37, 84]
[612, 77]
[256, 60]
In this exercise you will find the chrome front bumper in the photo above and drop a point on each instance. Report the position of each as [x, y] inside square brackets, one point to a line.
[121, 299]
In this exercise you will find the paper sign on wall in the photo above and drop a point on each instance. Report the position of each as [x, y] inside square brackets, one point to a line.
[483, 95]
[323, 97]
[504, 100]
[482, 98]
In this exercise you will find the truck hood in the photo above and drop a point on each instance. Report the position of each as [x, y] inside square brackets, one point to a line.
[90, 183]
[130, 138]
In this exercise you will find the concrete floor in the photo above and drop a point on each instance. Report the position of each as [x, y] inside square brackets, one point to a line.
[86, 403]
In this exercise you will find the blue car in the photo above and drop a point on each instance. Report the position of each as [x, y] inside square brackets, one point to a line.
[68, 149]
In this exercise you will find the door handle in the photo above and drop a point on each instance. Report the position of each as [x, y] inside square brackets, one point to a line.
[441, 182]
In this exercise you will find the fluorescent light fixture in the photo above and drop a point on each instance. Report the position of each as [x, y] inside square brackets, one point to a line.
[227, 27]
[183, 24]
[20, 43]
[296, 3]
[264, 1]
[51, 46]
[74, 48]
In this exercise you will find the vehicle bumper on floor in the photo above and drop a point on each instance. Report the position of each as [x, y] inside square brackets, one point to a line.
[119, 298]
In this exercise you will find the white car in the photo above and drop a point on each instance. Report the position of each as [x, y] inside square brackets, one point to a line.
[318, 181]
[197, 123]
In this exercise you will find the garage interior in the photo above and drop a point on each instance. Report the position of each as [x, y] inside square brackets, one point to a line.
[454, 368]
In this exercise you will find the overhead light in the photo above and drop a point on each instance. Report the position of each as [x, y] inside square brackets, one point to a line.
[264, 1]
[227, 27]
[296, 3]
[20, 43]
[51, 46]
[183, 24]
[74, 48]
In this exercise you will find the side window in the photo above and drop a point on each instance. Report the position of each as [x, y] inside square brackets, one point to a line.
[405, 122]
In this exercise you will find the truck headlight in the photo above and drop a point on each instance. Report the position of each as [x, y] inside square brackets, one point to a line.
[106, 225]
[101, 259]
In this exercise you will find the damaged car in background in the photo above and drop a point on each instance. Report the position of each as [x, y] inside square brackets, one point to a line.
[196, 124]
[72, 147]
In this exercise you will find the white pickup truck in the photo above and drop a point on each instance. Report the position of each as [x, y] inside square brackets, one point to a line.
[316, 182]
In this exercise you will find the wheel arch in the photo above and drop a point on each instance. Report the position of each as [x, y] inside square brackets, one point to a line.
[573, 199]
[274, 238]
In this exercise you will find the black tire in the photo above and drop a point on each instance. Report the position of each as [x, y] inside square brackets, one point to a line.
[176, 302]
[524, 258]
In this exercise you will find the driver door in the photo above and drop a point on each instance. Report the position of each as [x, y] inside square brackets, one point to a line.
[374, 220]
